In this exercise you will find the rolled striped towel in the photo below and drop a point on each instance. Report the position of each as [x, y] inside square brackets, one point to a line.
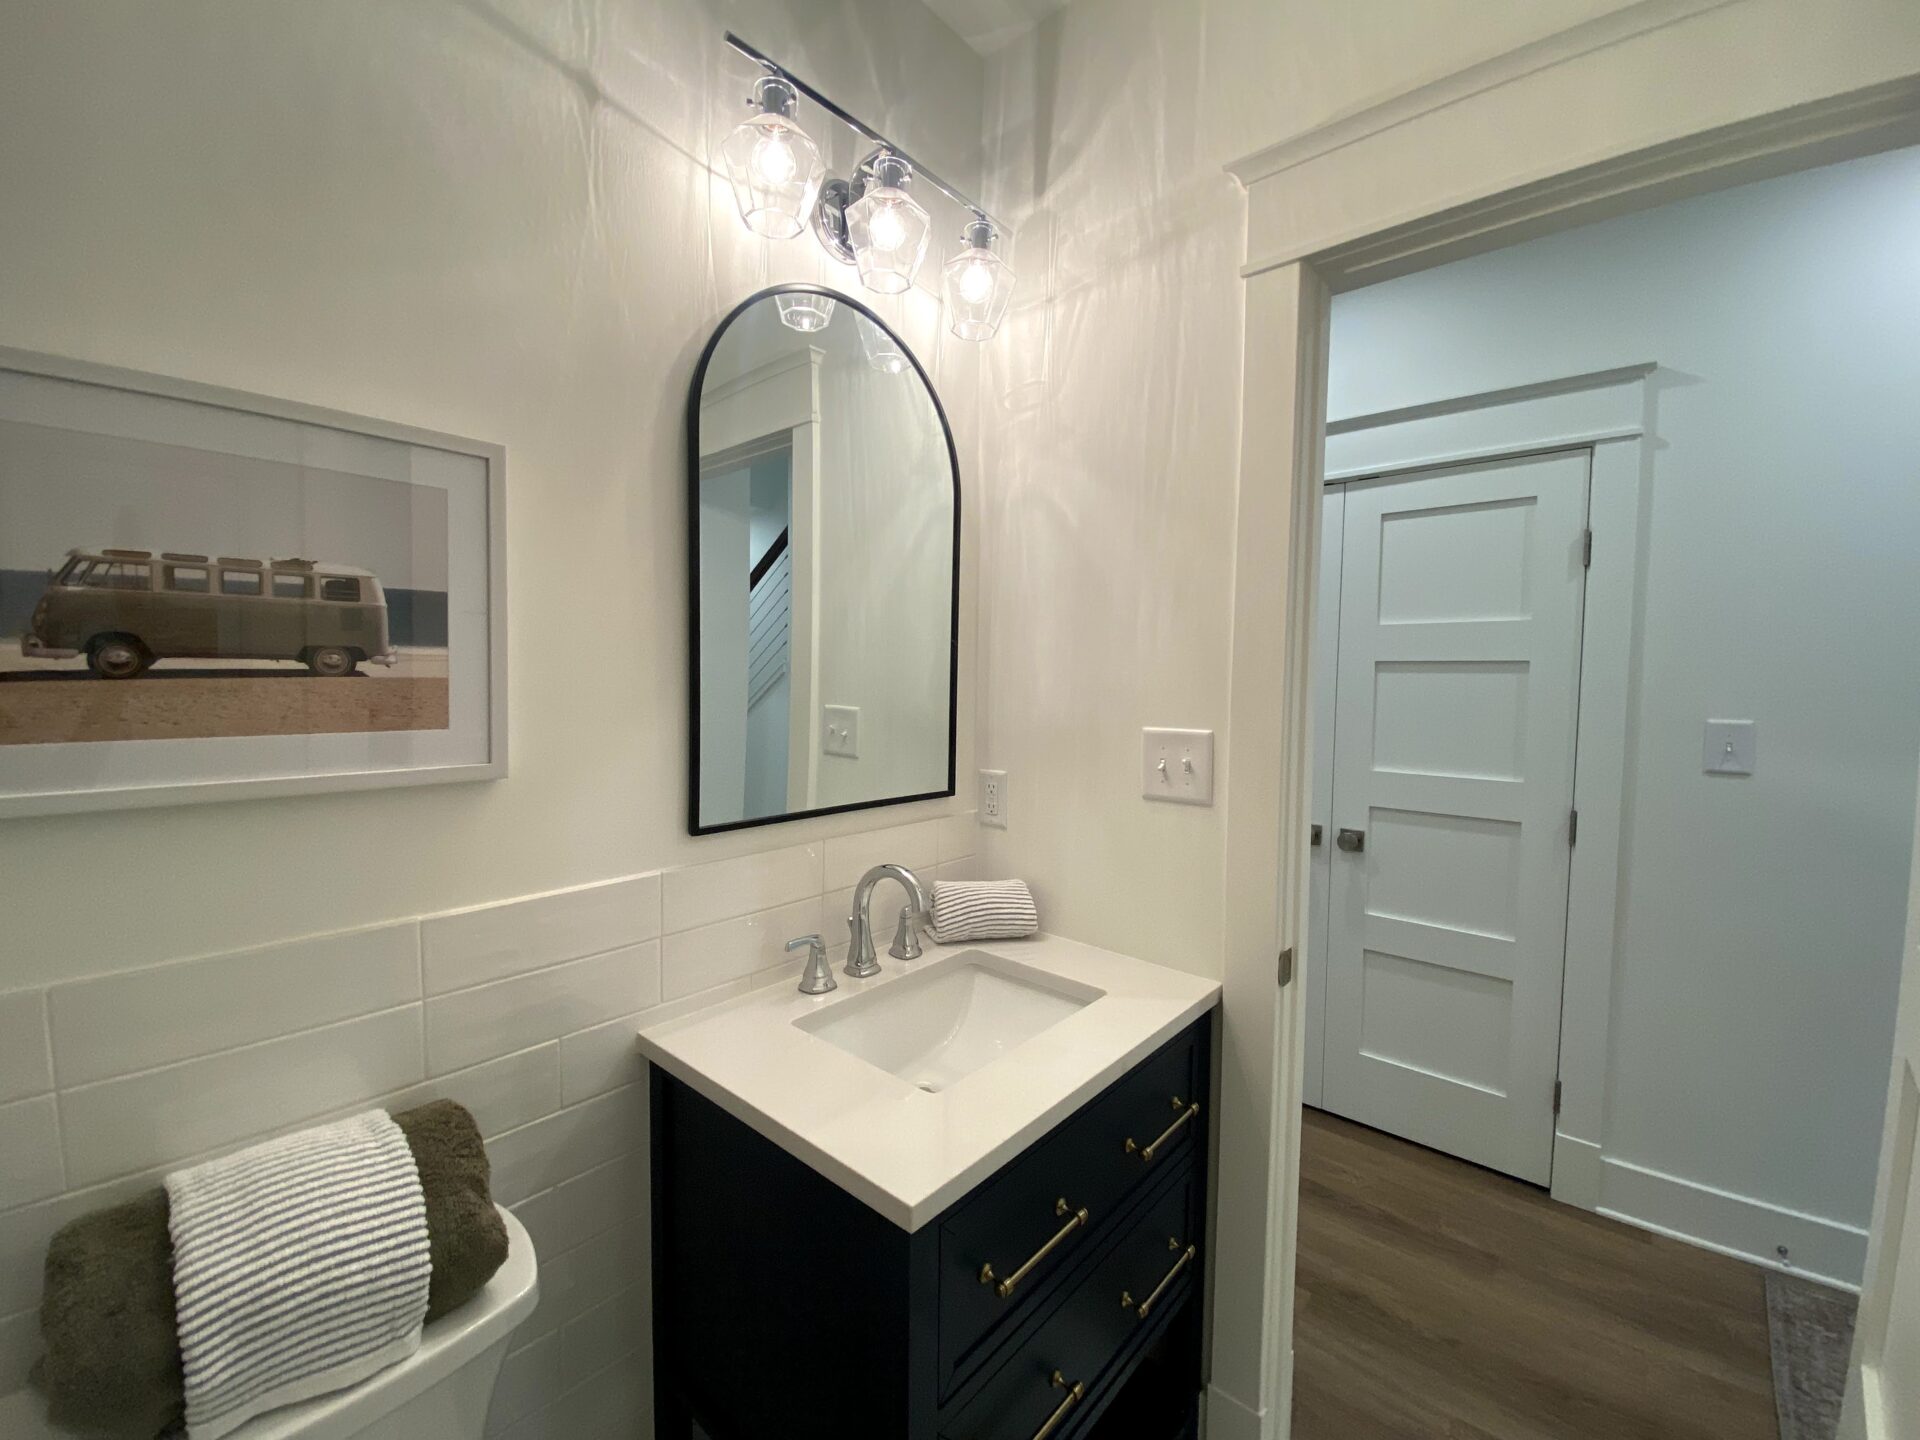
[983, 910]
[300, 1266]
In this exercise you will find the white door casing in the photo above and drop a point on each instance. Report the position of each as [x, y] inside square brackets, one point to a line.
[1457, 702]
[1883, 1380]
[1326, 652]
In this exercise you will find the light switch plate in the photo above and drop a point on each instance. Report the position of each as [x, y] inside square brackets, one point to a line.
[1729, 747]
[1177, 765]
[840, 731]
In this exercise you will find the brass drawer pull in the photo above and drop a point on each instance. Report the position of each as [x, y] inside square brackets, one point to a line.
[1076, 1392]
[1145, 1307]
[1004, 1288]
[1148, 1152]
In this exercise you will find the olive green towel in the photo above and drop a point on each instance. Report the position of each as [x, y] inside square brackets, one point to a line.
[112, 1362]
[465, 1234]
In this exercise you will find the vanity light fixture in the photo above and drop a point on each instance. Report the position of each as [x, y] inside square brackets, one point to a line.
[884, 353]
[808, 313]
[870, 219]
[979, 283]
[774, 165]
[886, 227]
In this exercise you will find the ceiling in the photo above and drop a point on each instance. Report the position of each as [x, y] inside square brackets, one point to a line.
[986, 25]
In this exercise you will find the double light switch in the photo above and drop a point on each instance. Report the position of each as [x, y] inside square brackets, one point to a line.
[1177, 765]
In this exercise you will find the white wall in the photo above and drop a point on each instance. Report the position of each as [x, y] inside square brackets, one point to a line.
[1761, 919]
[491, 217]
[523, 1011]
[1114, 401]
[495, 218]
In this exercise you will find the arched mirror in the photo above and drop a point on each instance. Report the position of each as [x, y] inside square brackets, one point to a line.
[824, 504]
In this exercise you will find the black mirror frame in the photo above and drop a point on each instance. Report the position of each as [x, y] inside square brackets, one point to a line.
[694, 827]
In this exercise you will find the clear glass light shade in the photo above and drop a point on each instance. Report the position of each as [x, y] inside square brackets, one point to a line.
[888, 230]
[774, 165]
[805, 313]
[884, 353]
[979, 286]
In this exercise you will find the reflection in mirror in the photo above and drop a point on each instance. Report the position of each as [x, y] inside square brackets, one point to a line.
[825, 513]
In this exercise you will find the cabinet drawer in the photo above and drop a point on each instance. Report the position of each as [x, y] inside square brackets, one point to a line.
[1000, 1249]
[1145, 1276]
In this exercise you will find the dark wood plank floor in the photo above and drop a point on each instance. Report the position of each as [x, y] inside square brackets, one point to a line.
[1439, 1301]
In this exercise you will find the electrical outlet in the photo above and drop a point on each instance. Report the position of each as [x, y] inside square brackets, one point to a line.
[841, 727]
[1177, 765]
[993, 798]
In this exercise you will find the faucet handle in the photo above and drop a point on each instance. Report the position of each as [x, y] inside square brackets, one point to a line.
[818, 979]
[906, 939]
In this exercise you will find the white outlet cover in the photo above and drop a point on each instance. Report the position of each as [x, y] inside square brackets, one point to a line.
[840, 731]
[1730, 747]
[1177, 765]
[992, 808]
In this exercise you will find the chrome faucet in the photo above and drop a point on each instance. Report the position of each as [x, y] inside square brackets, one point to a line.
[819, 977]
[861, 961]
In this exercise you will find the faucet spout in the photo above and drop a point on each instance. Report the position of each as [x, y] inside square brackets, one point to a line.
[861, 961]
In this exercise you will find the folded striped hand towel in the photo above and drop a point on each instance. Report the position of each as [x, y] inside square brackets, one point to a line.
[983, 910]
[300, 1266]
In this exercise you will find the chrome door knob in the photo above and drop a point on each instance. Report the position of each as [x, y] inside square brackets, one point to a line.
[1351, 841]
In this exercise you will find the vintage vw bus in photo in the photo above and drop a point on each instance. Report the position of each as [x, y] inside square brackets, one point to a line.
[125, 609]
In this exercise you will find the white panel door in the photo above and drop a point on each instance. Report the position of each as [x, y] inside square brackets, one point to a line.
[1457, 698]
[1883, 1383]
[1326, 663]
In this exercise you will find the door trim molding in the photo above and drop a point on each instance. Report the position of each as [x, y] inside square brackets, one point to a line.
[1501, 69]
[1820, 132]
[1606, 414]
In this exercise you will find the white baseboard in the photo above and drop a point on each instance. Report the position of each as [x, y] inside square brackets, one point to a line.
[1227, 1419]
[1576, 1171]
[1736, 1225]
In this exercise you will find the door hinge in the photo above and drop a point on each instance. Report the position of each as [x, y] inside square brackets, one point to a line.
[1586, 550]
[1556, 1097]
[1573, 828]
[1286, 967]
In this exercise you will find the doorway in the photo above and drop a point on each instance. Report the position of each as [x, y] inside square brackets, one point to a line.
[1718, 1029]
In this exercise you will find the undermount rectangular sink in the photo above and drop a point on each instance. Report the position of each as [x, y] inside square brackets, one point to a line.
[940, 1025]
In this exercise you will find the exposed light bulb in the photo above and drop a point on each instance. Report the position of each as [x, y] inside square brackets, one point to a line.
[976, 283]
[886, 230]
[979, 284]
[773, 159]
[773, 164]
[886, 227]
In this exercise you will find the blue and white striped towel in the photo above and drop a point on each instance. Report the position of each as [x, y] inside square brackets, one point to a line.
[300, 1266]
[983, 910]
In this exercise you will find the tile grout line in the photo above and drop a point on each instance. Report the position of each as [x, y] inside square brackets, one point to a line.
[148, 1070]
[549, 965]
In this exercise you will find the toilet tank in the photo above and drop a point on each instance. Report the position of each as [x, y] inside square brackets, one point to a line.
[442, 1390]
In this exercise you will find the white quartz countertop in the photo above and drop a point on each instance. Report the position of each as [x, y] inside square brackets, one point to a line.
[907, 1153]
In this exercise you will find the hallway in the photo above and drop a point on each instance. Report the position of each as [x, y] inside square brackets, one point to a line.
[1440, 1301]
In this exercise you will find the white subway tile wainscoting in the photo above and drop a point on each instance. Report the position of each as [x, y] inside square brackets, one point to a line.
[524, 1011]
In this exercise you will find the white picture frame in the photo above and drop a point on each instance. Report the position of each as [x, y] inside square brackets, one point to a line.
[312, 466]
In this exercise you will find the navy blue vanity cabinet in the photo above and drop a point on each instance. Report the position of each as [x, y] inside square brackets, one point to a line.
[1060, 1298]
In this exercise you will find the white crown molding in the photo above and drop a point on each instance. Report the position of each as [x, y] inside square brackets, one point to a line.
[1558, 48]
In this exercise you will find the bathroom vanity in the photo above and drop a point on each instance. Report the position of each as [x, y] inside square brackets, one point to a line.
[964, 1199]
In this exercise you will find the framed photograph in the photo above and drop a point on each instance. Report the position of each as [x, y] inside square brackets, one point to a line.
[211, 595]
